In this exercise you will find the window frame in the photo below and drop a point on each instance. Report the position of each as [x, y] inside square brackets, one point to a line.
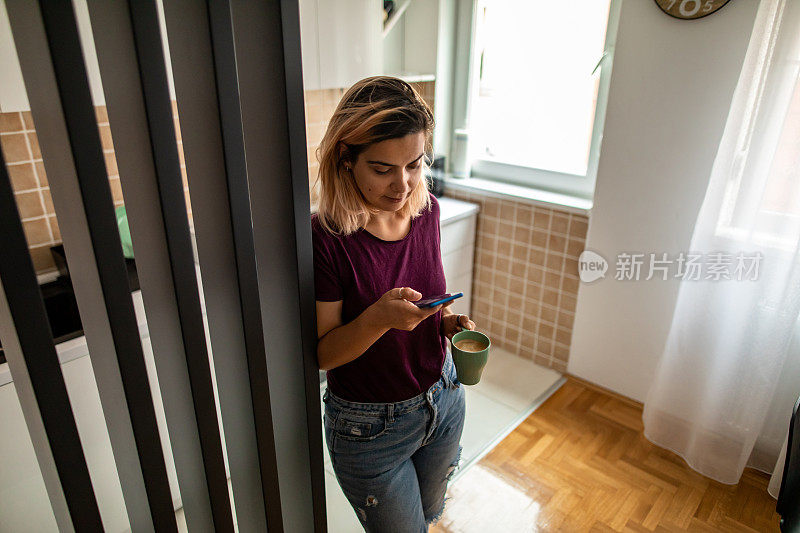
[465, 88]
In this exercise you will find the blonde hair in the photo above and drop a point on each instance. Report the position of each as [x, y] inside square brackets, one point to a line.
[375, 109]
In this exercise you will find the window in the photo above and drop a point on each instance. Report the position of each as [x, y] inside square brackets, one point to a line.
[763, 207]
[538, 77]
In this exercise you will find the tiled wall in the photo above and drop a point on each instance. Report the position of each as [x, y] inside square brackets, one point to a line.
[525, 282]
[32, 191]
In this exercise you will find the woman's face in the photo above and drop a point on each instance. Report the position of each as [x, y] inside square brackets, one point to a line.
[389, 170]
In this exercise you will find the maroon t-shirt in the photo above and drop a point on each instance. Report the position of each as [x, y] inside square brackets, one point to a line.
[358, 269]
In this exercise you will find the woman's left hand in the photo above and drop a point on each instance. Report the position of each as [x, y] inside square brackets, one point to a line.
[453, 323]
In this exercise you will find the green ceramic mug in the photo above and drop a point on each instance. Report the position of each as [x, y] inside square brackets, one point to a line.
[469, 364]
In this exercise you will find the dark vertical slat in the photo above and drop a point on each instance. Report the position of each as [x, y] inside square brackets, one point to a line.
[65, 49]
[144, 17]
[272, 116]
[41, 362]
[295, 111]
[242, 225]
[192, 53]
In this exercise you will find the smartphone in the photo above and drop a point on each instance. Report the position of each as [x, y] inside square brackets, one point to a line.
[436, 300]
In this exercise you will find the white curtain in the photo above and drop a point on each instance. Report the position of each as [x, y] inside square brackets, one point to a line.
[730, 372]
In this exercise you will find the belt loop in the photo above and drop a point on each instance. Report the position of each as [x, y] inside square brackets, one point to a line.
[390, 412]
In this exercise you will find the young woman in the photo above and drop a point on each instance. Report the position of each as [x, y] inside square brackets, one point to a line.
[394, 409]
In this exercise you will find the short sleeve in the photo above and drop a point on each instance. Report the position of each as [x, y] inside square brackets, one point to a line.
[327, 282]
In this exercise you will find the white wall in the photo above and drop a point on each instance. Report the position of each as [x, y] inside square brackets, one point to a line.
[671, 87]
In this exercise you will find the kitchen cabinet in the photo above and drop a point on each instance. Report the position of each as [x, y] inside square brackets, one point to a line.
[341, 42]
[410, 40]
[458, 224]
[344, 41]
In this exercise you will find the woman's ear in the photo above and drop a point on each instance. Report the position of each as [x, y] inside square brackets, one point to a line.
[343, 156]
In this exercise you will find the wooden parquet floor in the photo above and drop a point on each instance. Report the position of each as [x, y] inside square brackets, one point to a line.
[581, 463]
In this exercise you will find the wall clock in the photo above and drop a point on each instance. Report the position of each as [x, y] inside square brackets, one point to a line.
[690, 9]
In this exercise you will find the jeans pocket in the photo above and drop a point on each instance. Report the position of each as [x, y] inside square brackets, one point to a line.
[359, 427]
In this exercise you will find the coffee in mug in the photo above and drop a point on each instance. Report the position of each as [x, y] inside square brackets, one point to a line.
[470, 345]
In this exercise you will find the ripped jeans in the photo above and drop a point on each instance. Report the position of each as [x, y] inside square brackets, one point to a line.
[393, 460]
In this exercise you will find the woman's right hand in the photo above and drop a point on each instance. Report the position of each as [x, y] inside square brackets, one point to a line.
[395, 310]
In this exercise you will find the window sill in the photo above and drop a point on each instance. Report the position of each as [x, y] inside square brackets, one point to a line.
[518, 193]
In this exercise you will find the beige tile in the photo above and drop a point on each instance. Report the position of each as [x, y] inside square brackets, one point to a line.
[15, 149]
[548, 314]
[568, 303]
[559, 366]
[537, 257]
[42, 259]
[27, 120]
[531, 308]
[545, 331]
[560, 353]
[508, 212]
[10, 122]
[520, 252]
[541, 360]
[550, 297]
[515, 302]
[105, 137]
[544, 346]
[116, 190]
[578, 227]
[536, 275]
[54, 228]
[566, 320]
[22, 177]
[502, 265]
[539, 239]
[503, 248]
[490, 242]
[41, 174]
[489, 226]
[560, 223]
[486, 260]
[498, 300]
[575, 247]
[563, 336]
[29, 204]
[524, 216]
[48, 202]
[522, 234]
[111, 165]
[541, 219]
[552, 280]
[518, 269]
[512, 337]
[492, 208]
[556, 243]
[101, 113]
[37, 231]
[571, 266]
[33, 139]
[526, 352]
[505, 228]
[554, 261]
[570, 285]
[530, 323]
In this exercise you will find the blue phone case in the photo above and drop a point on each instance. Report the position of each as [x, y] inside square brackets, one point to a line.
[426, 303]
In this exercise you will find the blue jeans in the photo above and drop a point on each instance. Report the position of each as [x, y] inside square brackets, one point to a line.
[393, 460]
